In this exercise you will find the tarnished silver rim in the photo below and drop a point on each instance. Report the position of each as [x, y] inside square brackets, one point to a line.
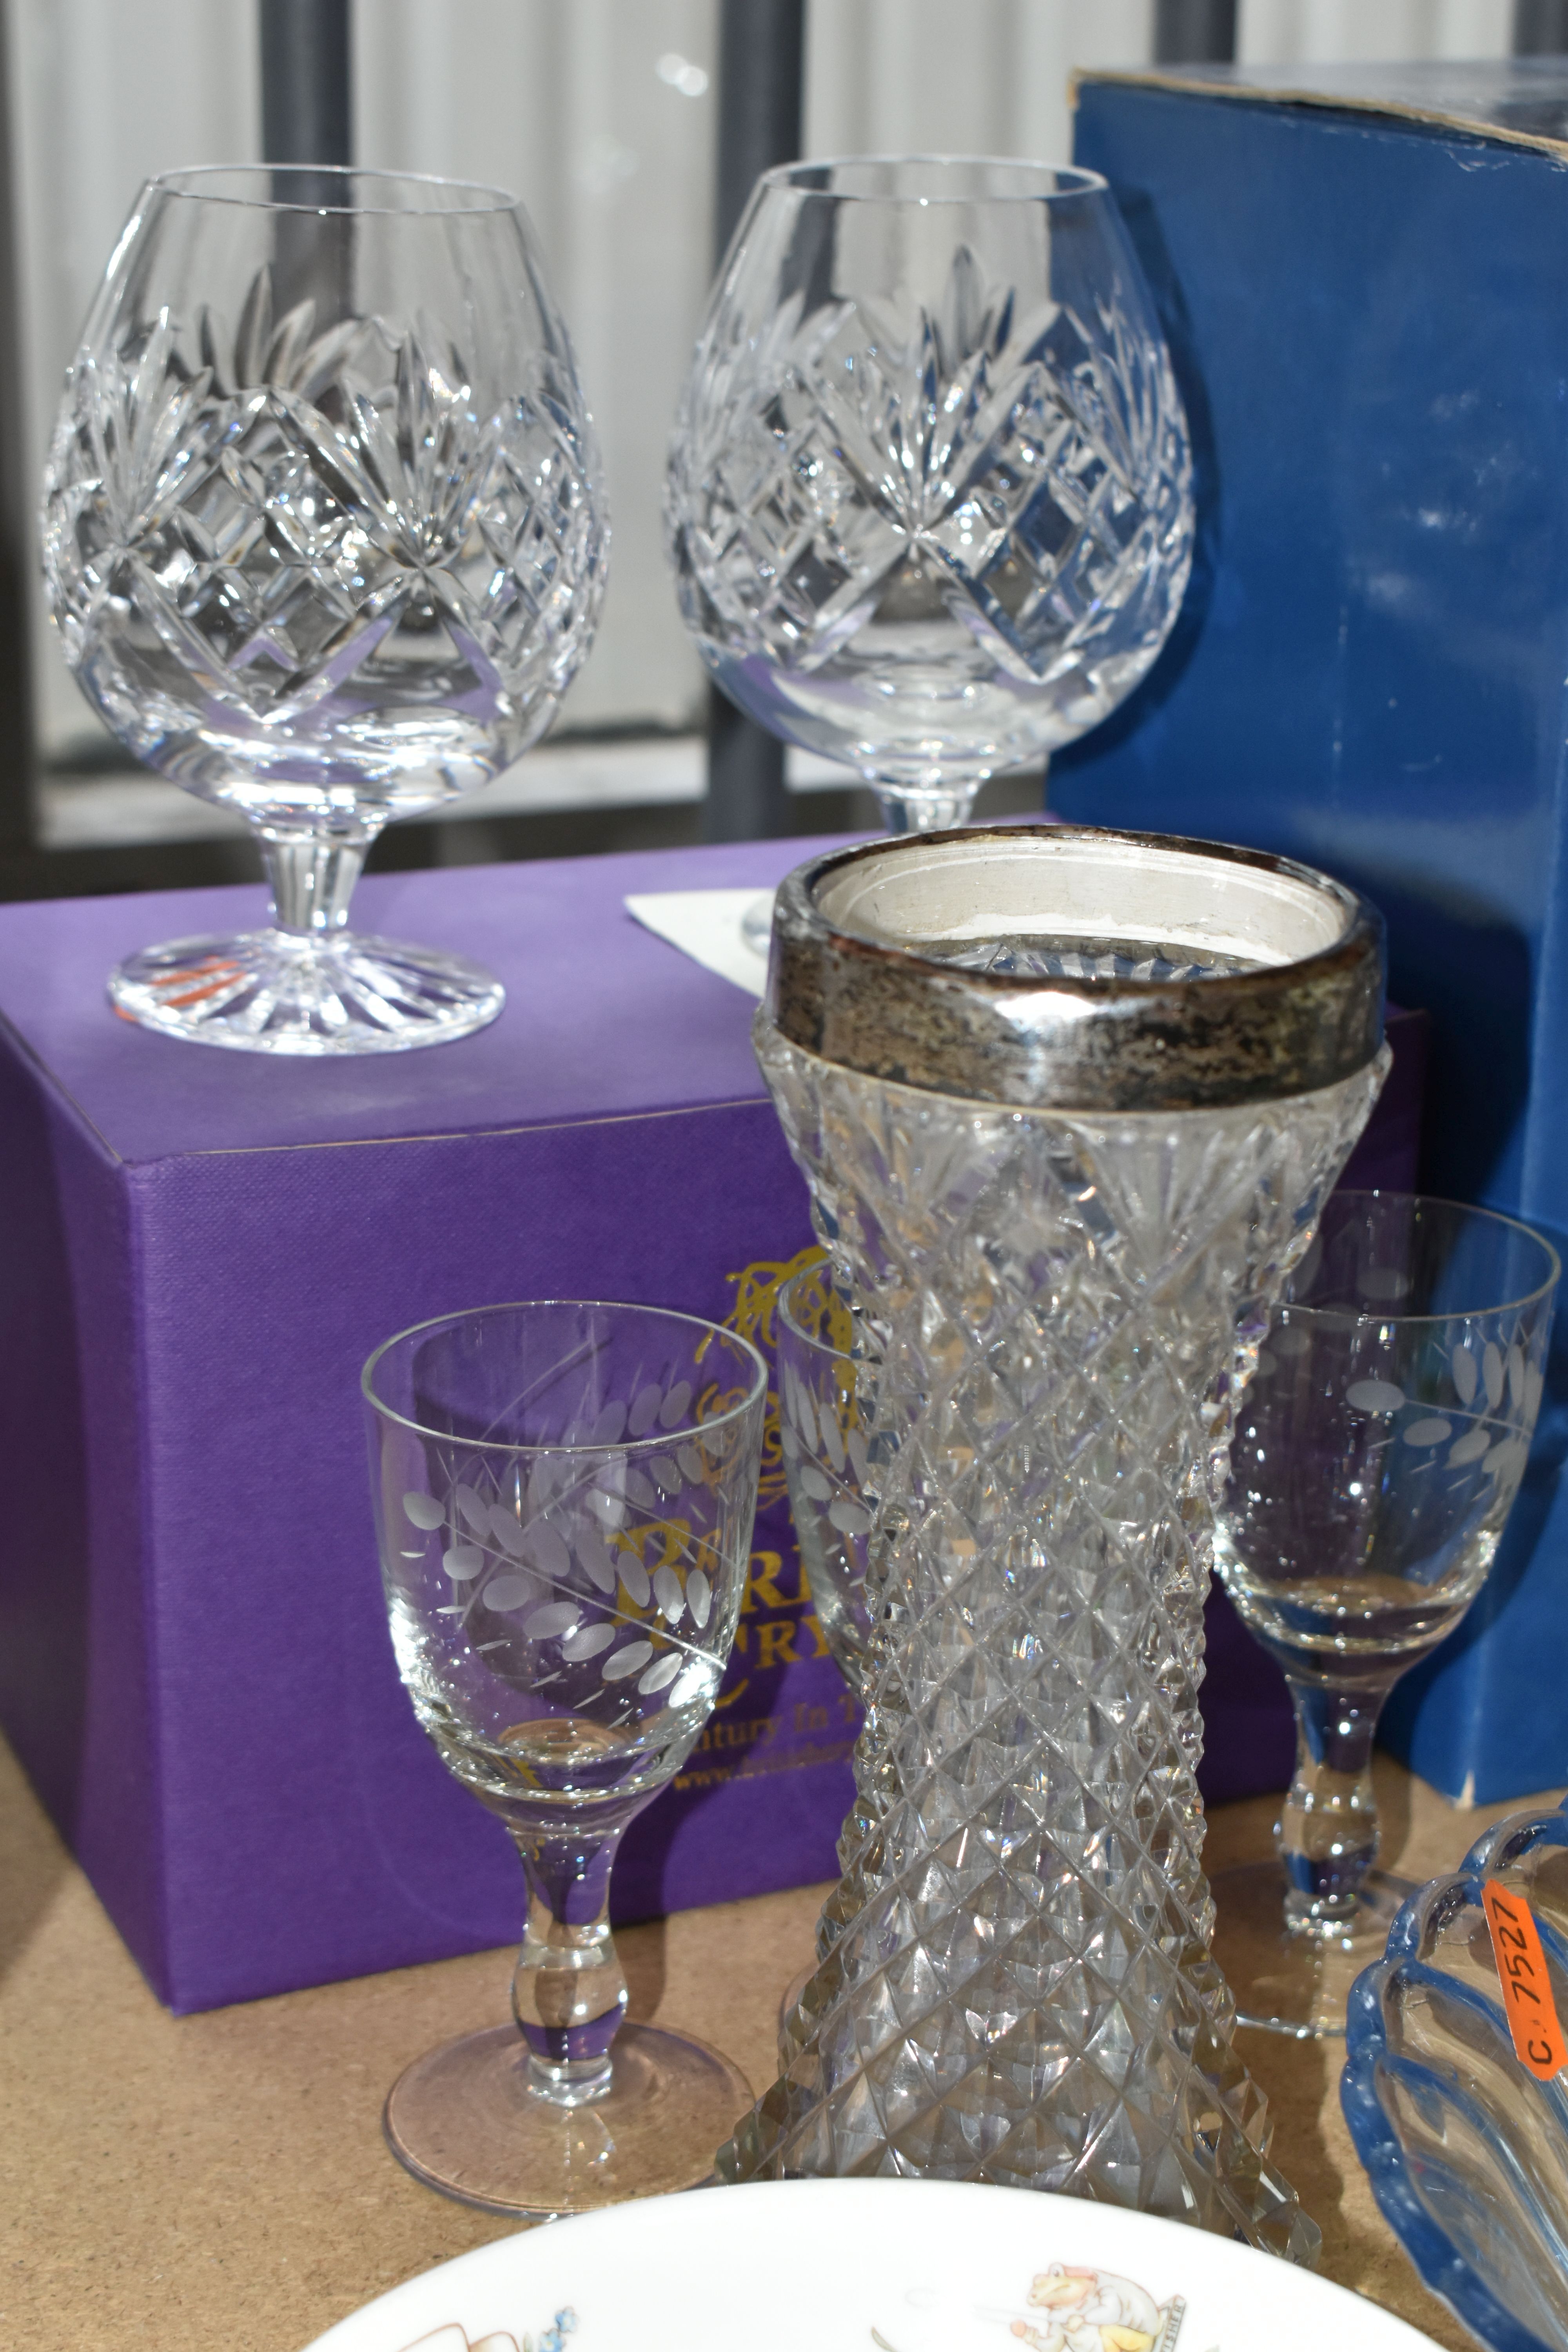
[879, 1005]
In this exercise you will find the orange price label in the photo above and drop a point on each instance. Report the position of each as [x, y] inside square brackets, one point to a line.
[1526, 1988]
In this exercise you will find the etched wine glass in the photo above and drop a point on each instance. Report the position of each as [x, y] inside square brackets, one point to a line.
[563, 1498]
[1376, 1456]
[324, 535]
[930, 498]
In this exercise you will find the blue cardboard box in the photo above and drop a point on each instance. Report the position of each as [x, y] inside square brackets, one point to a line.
[1365, 287]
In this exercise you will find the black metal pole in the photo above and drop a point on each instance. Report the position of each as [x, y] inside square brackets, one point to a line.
[761, 60]
[306, 114]
[18, 509]
[762, 50]
[1541, 29]
[1195, 32]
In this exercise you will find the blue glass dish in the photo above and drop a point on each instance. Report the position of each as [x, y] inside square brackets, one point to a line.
[1466, 2152]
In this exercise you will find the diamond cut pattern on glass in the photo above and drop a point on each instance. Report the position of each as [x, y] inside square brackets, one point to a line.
[1013, 1981]
[979, 488]
[320, 551]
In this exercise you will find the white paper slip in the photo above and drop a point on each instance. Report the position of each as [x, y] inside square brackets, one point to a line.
[712, 928]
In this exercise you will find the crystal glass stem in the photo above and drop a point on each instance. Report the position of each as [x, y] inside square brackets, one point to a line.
[1327, 1835]
[568, 1993]
[312, 877]
[906, 812]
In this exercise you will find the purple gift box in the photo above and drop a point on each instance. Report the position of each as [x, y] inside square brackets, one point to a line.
[200, 1250]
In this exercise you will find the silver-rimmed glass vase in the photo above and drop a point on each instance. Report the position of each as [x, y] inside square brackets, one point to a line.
[1068, 1104]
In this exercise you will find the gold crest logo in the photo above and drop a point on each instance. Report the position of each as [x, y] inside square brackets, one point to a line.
[757, 1289]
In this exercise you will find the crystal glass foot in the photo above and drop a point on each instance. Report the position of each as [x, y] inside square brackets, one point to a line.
[324, 538]
[930, 496]
[1289, 1984]
[1376, 1457]
[276, 991]
[468, 2119]
[564, 1495]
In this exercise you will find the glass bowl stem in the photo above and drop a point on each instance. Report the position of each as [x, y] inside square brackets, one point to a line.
[1327, 1836]
[925, 811]
[312, 877]
[568, 1991]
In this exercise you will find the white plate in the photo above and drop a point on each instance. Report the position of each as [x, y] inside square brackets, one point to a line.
[868, 2266]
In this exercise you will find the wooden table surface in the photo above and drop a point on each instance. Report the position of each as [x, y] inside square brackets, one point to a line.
[221, 2181]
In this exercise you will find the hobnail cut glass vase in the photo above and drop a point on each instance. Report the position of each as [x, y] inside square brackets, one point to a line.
[1013, 1979]
[930, 501]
